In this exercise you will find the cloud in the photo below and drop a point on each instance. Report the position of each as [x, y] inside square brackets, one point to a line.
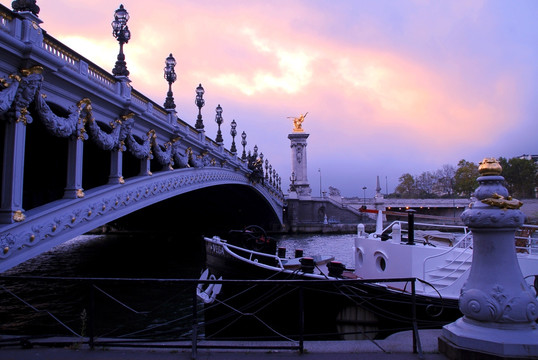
[291, 73]
[442, 80]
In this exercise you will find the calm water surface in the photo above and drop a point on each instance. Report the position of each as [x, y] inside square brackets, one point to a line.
[124, 309]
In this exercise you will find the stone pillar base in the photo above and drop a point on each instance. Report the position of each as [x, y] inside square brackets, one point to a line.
[464, 339]
[292, 195]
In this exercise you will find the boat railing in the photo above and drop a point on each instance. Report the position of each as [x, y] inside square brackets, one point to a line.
[460, 259]
[253, 256]
[429, 226]
[525, 243]
[526, 237]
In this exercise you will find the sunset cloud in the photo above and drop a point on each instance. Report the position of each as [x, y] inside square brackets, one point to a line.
[390, 86]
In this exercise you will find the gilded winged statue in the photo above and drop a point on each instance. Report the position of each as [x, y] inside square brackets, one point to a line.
[298, 122]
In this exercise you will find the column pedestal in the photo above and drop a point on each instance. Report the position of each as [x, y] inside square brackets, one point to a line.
[299, 165]
[499, 307]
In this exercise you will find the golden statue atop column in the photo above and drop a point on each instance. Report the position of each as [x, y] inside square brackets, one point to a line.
[298, 122]
[300, 187]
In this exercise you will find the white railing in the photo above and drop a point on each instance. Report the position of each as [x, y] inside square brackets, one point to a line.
[430, 226]
[462, 259]
[251, 255]
[524, 241]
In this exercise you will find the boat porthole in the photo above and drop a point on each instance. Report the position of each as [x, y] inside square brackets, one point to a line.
[381, 263]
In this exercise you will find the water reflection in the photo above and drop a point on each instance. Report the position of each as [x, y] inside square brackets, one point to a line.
[145, 309]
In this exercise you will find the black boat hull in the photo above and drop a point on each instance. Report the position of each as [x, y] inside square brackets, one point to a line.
[342, 309]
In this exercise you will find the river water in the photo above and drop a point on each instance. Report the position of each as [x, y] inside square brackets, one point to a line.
[126, 309]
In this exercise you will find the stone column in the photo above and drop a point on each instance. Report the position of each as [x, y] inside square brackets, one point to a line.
[116, 167]
[13, 173]
[145, 167]
[75, 153]
[299, 164]
[499, 307]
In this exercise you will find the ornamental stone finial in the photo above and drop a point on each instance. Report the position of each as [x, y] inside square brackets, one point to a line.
[25, 5]
[498, 304]
[490, 166]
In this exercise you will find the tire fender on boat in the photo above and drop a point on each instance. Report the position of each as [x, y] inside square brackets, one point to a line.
[209, 294]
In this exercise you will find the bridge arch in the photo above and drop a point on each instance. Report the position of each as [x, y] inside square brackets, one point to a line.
[65, 219]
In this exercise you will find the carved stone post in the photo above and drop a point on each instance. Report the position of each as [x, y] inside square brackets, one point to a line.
[499, 307]
[145, 167]
[75, 154]
[13, 173]
[116, 166]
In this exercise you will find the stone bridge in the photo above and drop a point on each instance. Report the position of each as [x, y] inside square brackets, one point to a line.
[82, 148]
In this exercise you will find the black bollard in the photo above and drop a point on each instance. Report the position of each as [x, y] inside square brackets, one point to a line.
[307, 265]
[336, 269]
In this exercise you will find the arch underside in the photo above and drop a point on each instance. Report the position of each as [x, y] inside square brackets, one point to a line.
[199, 201]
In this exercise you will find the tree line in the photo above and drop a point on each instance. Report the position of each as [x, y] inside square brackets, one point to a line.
[521, 179]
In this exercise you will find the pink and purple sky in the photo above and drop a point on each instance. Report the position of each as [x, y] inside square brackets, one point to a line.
[390, 87]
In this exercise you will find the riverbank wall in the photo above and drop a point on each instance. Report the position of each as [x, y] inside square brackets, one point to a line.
[329, 216]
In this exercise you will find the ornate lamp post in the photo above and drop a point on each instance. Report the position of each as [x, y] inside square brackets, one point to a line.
[121, 32]
[261, 164]
[31, 6]
[293, 179]
[364, 195]
[266, 170]
[200, 102]
[170, 76]
[233, 132]
[219, 120]
[244, 143]
[255, 154]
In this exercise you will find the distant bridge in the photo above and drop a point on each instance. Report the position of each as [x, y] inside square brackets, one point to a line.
[83, 148]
